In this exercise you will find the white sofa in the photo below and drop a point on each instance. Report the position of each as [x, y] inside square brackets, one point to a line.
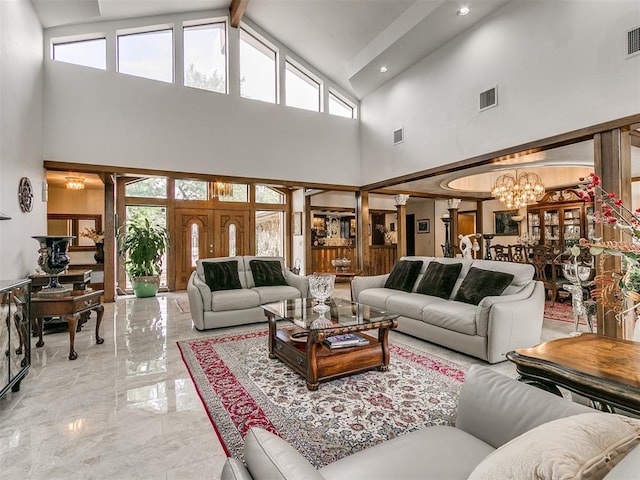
[504, 430]
[487, 331]
[225, 308]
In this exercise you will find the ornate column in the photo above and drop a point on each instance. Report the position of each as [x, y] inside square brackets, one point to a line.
[454, 203]
[401, 227]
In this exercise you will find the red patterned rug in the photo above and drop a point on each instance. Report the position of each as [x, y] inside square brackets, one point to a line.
[241, 387]
[561, 312]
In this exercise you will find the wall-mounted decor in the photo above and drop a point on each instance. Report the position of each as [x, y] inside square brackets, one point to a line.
[504, 224]
[297, 223]
[423, 226]
[25, 195]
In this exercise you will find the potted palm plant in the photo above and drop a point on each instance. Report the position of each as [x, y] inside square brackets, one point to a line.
[142, 244]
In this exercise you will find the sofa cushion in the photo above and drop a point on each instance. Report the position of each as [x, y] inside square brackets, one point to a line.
[267, 273]
[269, 457]
[276, 294]
[439, 279]
[585, 446]
[432, 453]
[225, 300]
[376, 297]
[404, 274]
[480, 283]
[222, 275]
[410, 305]
[457, 316]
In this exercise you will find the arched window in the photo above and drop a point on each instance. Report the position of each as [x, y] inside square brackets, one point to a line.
[232, 240]
[195, 244]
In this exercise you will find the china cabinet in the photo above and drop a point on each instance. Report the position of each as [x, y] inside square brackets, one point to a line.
[560, 219]
[15, 333]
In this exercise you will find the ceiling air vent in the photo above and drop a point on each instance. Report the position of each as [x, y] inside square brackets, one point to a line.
[489, 98]
[398, 136]
[633, 42]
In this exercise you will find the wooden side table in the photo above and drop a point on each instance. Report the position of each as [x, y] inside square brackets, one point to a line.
[69, 308]
[603, 369]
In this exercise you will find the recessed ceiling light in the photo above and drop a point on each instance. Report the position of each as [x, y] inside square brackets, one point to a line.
[383, 69]
[463, 11]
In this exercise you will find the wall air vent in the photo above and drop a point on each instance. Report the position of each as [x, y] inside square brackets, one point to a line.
[398, 136]
[633, 42]
[489, 98]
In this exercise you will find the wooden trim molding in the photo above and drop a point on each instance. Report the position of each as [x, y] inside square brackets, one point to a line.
[237, 9]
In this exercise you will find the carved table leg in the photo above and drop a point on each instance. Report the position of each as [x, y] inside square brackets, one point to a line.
[40, 322]
[541, 384]
[272, 333]
[72, 320]
[99, 312]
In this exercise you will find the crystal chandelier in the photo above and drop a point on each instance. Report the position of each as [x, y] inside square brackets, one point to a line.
[222, 189]
[75, 183]
[519, 190]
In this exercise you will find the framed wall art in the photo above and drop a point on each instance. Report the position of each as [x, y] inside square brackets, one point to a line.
[504, 224]
[423, 226]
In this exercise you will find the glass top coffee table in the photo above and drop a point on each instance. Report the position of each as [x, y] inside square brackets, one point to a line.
[303, 347]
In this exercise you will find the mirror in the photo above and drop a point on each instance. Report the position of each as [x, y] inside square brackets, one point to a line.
[74, 224]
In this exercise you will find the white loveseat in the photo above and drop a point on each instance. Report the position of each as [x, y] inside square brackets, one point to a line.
[225, 308]
[504, 430]
[487, 331]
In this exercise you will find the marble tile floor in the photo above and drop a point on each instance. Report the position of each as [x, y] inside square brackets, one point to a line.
[126, 409]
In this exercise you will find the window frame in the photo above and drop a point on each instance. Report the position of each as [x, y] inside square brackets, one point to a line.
[342, 100]
[203, 23]
[143, 31]
[79, 39]
[261, 40]
[305, 75]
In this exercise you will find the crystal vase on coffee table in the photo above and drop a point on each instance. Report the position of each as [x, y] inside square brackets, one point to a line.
[321, 288]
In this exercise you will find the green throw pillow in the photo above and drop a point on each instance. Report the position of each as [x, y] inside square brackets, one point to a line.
[404, 274]
[222, 275]
[439, 279]
[267, 273]
[480, 283]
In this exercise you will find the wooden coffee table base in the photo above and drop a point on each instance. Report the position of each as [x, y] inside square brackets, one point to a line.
[604, 369]
[318, 363]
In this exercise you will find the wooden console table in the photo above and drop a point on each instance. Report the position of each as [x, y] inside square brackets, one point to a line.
[69, 308]
[603, 369]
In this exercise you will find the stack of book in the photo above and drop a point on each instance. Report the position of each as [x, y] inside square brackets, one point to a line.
[345, 340]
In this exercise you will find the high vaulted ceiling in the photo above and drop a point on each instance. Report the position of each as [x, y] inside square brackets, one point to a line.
[347, 40]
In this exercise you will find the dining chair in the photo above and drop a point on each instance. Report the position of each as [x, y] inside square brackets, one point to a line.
[518, 253]
[501, 253]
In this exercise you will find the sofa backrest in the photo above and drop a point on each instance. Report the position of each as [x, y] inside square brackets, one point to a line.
[240, 260]
[244, 268]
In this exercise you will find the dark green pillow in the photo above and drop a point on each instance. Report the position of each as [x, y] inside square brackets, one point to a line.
[480, 283]
[267, 273]
[221, 275]
[404, 274]
[439, 279]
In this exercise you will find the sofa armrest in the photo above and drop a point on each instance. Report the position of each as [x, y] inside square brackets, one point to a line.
[487, 303]
[234, 469]
[497, 409]
[358, 284]
[514, 325]
[300, 282]
[199, 299]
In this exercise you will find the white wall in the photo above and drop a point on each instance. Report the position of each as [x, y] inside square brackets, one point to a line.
[106, 118]
[425, 242]
[20, 136]
[559, 66]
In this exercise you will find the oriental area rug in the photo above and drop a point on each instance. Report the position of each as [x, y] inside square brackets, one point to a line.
[241, 387]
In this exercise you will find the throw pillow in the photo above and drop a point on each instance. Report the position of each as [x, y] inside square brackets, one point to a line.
[585, 446]
[404, 274]
[439, 279]
[267, 273]
[480, 283]
[221, 275]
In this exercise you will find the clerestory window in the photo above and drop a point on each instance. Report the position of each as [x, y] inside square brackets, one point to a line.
[302, 91]
[88, 53]
[147, 54]
[258, 72]
[205, 57]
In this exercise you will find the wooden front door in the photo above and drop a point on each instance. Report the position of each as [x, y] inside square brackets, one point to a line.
[207, 233]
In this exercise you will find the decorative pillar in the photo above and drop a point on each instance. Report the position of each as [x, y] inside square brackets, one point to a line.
[401, 225]
[454, 203]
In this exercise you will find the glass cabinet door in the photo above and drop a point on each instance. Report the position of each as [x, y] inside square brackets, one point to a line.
[551, 228]
[571, 227]
[534, 228]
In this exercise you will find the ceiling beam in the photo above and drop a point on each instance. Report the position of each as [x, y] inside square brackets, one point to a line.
[634, 136]
[237, 9]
